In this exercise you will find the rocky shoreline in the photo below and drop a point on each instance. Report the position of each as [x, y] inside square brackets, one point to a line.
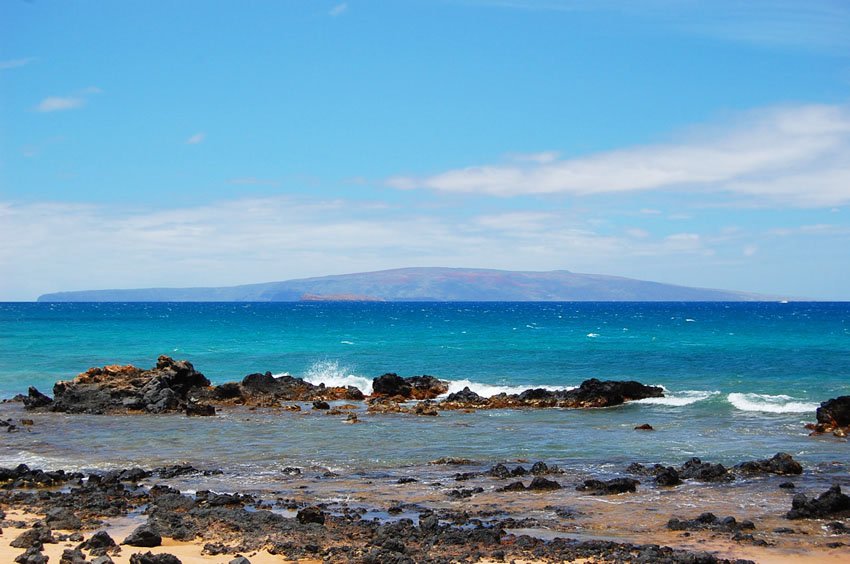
[175, 386]
[73, 510]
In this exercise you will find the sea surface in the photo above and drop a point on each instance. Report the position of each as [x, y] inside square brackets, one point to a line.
[741, 380]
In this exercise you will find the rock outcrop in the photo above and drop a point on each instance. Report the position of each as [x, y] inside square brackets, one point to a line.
[591, 393]
[414, 387]
[830, 504]
[833, 416]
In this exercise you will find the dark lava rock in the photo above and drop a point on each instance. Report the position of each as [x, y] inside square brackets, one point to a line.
[499, 471]
[611, 487]
[539, 468]
[320, 404]
[644, 427]
[199, 410]
[539, 483]
[668, 476]
[144, 536]
[415, 387]
[311, 515]
[151, 558]
[465, 396]
[464, 493]
[787, 485]
[598, 393]
[34, 537]
[98, 544]
[33, 555]
[831, 503]
[695, 469]
[62, 518]
[72, 556]
[406, 480]
[240, 560]
[838, 527]
[35, 399]
[835, 412]
[781, 463]
[513, 487]
[710, 521]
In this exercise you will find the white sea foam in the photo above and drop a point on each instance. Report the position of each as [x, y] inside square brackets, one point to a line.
[680, 399]
[770, 404]
[330, 373]
[593, 335]
[489, 390]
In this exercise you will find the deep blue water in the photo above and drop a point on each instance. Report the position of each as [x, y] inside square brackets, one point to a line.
[742, 378]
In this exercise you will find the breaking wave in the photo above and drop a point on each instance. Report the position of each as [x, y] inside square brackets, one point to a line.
[330, 373]
[489, 390]
[770, 404]
[680, 399]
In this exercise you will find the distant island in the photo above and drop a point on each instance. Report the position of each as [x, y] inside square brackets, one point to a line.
[427, 285]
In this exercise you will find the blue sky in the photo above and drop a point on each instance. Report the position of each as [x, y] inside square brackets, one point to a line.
[197, 143]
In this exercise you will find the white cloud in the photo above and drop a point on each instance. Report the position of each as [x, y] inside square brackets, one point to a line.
[338, 10]
[75, 246]
[15, 63]
[59, 103]
[791, 155]
[196, 138]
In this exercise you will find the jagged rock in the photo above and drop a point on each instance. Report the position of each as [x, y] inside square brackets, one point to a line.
[499, 471]
[144, 536]
[644, 427]
[465, 396]
[610, 487]
[98, 544]
[240, 560]
[102, 560]
[831, 503]
[539, 483]
[668, 476]
[199, 410]
[833, 416]
[781, 463]
[33, 555]
[321, 405]
[311, 515]
[151, 558]
[415, 387]
[62, 518]
[73, 556]
[35, 399]
[695, 469]
[709, 521]
[513, 487]
[33, 537]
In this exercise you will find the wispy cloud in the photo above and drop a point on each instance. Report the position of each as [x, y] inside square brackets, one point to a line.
[196, 138]
[62, 103]
[338, 10]
[16, 63]
[814, 25]
[794, 156]
[59, 103]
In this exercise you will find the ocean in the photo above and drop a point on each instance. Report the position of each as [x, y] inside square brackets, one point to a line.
[741, 380]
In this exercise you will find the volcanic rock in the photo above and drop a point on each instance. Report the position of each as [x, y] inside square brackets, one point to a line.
[831, 503]
[781, 463]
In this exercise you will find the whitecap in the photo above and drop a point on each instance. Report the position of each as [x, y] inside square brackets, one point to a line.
[770, 404]
[680, 399]
[593, 335]
[331, 374]
[489, 390]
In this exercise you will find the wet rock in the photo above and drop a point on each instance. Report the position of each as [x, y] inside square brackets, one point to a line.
[831, 503]
[291, 471]
[513, 487]
[151, 558]
[781, 463]
[787, 485]
[465, 396]
[667, 477]
[35, 399]
[416, 387]
[311, 515]
[144, 536]
[539, 468]
[199, 410]
[62, 518]
[464, 493]
[710, 521]
[644, 427]
[539, 483]
[406, 480]
[695, 469]
[452, 461]
[427, 408]
[320, 404]
[838, 528]
[610, 487]
[499, 471]
[835, 412]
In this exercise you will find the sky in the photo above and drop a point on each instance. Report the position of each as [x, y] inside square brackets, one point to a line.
[212, 143]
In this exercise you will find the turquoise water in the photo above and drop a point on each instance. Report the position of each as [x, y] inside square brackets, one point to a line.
[741, 379]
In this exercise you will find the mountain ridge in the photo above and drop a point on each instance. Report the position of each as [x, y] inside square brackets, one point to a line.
[427, 284]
